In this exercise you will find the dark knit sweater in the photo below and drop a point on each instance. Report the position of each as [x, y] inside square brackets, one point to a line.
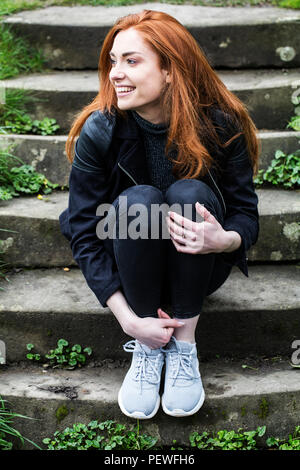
[159, 166]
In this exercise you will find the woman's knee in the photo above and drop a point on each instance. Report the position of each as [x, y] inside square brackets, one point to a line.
[141, 206]
[142, 194]
[189, 191]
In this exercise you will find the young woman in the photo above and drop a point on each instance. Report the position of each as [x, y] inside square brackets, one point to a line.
[163, 131]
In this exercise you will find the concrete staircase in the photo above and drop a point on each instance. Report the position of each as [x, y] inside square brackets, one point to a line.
[247, 327]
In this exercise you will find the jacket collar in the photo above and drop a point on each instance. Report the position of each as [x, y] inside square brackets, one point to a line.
[133, 161]
[126, 128]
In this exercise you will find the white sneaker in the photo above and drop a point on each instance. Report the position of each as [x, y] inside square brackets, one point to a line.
[139, 394]
[183, 393]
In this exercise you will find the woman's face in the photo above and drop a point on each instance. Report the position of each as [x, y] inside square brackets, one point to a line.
[139, 69]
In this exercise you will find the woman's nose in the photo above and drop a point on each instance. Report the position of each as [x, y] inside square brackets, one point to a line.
[116, 73]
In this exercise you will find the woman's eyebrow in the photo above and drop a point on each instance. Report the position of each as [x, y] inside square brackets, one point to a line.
[126, 53]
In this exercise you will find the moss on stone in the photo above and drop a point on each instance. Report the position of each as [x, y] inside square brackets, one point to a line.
[61, 413]
[263, 409]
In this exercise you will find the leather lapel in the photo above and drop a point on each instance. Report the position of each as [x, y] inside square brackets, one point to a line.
[133, 162]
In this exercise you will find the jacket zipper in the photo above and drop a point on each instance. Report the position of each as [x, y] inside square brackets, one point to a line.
[127, 173]
[224, 205]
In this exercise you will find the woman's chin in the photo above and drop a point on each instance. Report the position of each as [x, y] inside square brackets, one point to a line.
[125, 106]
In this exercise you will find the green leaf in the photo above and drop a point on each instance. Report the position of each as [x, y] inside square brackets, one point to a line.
[261, 430]
[88, 350]
[72, 362]
[81, 358]
[279, 153]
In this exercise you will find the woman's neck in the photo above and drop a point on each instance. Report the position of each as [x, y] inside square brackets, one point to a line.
[157, 120]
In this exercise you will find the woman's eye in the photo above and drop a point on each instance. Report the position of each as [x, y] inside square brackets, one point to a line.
[132, 61]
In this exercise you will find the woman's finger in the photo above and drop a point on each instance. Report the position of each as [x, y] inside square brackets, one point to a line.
[183, 233]
[172, 323]
[183, 248]
[182, 221]
[162, 314]
[208, 217]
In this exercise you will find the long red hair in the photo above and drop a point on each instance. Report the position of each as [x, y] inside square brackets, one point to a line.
[194, 87]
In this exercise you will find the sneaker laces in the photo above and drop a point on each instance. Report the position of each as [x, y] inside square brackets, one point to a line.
[181, 366]
[146, 367]
[180, 363]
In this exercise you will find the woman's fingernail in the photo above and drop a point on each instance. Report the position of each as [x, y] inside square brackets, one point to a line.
[181, 323]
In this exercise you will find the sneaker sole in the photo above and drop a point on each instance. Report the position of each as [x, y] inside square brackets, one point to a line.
[181, 413]
[137, 414]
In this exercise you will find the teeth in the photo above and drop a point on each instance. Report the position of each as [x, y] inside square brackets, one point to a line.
[123, 89]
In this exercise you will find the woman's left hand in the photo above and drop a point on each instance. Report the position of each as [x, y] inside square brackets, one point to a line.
[197, 237]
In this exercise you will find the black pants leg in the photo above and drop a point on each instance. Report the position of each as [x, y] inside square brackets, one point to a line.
[153, 273]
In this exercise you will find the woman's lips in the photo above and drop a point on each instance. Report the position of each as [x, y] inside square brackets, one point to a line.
[124, 93]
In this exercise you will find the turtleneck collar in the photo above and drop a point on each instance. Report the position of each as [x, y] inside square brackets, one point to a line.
[149, 126]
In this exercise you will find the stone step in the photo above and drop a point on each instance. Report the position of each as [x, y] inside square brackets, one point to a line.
[35, 239]
[235, 398]
[279, 237]
[47, 153]
[287, 141]
[258, 315]
[71, 37]
[267, 94]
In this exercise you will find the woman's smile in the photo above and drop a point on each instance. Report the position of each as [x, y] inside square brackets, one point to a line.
[120, 92]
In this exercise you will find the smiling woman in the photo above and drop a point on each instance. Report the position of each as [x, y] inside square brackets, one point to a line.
[163, 131]
[142, 72]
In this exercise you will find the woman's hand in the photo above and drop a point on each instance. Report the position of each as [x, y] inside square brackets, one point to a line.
[198, 237]
[154, 332]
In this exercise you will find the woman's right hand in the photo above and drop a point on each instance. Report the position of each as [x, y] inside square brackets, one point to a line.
[154, 332]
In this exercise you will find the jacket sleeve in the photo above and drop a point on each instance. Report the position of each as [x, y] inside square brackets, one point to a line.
[241, 201]
[87, 189]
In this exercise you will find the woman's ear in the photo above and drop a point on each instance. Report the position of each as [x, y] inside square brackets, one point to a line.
[167, 76]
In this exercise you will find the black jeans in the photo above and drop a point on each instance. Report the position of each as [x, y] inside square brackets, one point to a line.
[153, 273]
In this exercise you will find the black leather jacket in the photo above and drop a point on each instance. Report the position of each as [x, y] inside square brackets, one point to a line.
[110, 157]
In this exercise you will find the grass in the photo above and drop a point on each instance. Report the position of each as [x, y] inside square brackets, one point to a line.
[6, 427]
[14, 118]
[295, 4]
[16, 102]
[16, 56]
